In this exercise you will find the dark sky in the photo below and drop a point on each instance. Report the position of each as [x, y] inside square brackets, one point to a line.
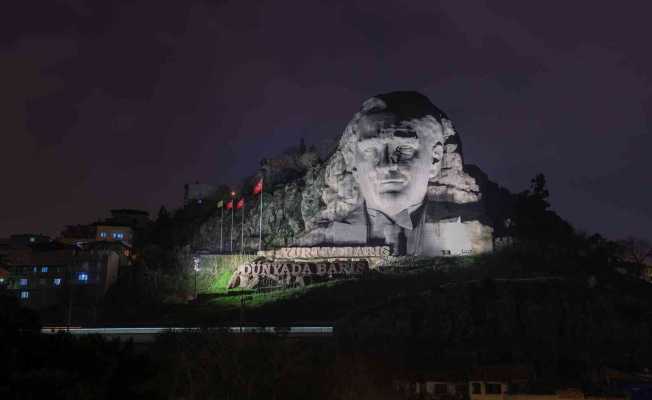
[106, 105]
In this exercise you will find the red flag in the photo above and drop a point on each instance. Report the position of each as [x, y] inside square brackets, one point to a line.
[229, 204]
[259, 186]
[240, 204]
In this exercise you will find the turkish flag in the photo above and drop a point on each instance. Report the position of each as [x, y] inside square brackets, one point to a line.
[240, 204]
[259, 186]
[229, 204]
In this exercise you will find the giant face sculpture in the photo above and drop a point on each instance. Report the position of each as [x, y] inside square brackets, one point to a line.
[395, 155]
[396, 151]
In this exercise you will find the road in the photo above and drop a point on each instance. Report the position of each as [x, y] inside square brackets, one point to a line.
[148, 334]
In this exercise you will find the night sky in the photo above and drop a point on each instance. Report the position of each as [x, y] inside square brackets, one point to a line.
[117, 106]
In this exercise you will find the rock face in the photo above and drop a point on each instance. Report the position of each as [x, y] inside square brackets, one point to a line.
[397, 178]
[290, 182]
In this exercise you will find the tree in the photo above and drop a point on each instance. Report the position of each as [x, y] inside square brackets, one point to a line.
[533, 221]
[15, 318]
[538, 192]
[163, 215]
[637, 254]
[603, 252]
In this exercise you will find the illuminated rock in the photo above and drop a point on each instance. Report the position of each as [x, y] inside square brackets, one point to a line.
[397, 178]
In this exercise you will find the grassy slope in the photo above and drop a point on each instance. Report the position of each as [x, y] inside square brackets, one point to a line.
[216, 271]
[358, 299]
[328, 302]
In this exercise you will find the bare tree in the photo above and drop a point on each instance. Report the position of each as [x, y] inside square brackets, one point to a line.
[637, 253]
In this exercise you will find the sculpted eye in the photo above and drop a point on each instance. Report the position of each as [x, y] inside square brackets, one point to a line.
[405, 151]
[369, 153]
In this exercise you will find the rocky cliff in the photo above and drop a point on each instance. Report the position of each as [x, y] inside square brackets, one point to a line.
[310, 202]
[290, 198]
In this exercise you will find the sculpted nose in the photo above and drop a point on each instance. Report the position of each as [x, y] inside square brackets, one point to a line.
[388, 158]
[385, 159]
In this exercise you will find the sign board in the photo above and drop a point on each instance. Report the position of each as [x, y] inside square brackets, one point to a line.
[265, 273]
[326, 252]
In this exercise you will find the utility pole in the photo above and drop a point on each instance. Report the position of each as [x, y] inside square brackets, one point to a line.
[195, 262]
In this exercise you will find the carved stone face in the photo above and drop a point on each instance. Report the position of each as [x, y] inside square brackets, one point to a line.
[395, 159]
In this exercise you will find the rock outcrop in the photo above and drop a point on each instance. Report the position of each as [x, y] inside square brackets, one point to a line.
[312, 202]
[400, 158]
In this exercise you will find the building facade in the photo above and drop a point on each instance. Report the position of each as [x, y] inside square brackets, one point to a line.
[42, 278]
[112, 233]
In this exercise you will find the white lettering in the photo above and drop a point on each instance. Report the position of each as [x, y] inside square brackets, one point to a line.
[331, 252]
[321, 269]
[347, 269]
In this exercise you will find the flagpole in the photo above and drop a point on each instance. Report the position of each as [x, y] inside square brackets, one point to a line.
[260, 223]
[221, 225]
[242, 230]
[231, 232]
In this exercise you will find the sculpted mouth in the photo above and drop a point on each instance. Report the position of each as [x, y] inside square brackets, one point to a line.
[392, 185]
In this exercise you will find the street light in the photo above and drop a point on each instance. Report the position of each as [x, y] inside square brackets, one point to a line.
[195, 262]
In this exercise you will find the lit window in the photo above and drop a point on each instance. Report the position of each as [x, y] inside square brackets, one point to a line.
[24, 295]
[44, 269]
[118, 235]
[32, 239]
[102, 234]
[2, 280]
[57, 281]
[23, 281]
[34, 269]
[83, 276]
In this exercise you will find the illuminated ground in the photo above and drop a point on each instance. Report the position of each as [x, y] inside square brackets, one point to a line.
[326, 303]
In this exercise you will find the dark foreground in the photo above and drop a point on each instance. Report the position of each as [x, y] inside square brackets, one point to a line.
[569, 319]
